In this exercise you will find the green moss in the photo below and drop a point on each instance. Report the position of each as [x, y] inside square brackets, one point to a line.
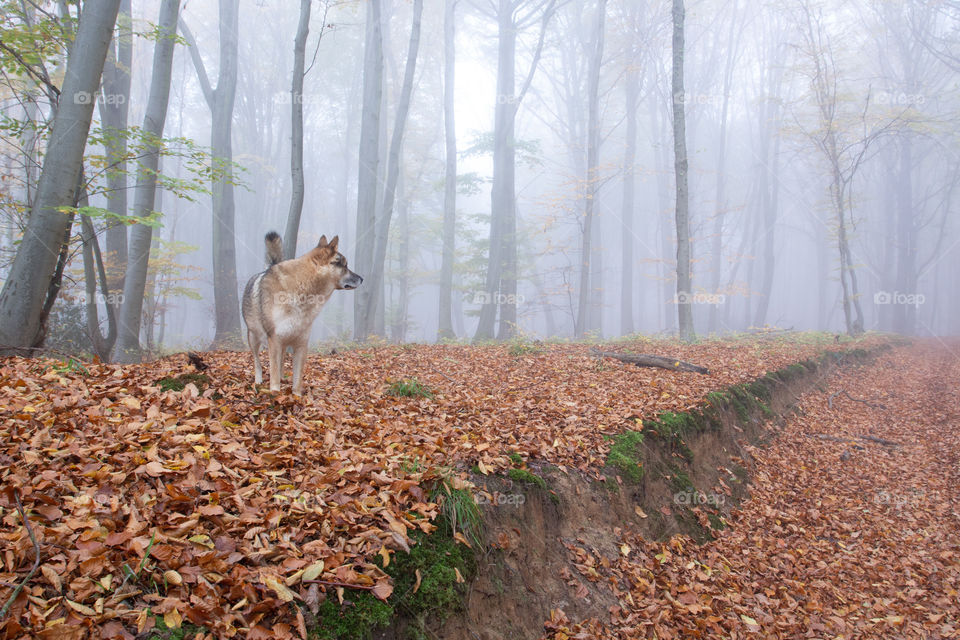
[625, 457]
[523, 475]
[679, 480]
[441, 562]
[408, 389]
[519, 348]
[162, 632]
[516, 458]
[360, 614]
[200, 380]
[716, 522]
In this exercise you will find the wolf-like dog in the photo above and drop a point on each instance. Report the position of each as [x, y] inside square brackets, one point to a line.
[281, 303]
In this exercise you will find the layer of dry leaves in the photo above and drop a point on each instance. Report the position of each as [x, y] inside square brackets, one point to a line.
[852, 529]
[230, 504]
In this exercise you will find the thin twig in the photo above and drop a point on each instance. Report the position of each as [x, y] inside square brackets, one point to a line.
[338, 584]
[36, 560]
[873, 405]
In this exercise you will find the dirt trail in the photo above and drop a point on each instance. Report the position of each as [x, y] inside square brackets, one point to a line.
[852, 529]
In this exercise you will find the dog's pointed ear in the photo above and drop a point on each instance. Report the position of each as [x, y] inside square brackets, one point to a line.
[333, 243]
[323, 241]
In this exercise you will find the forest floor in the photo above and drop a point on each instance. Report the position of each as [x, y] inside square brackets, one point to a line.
[160, 495]
[852, 529]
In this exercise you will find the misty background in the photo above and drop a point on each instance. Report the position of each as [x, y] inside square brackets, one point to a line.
[793, 109]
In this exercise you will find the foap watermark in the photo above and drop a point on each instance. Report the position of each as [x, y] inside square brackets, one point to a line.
[912, 498]
[898, 297]
[285, 97]
[692, 498]
[498, 499]
[300, 299]
[86, 97]
[495, 297]
[900, 99]
[698, 98]
[685, 297]
[111, 299]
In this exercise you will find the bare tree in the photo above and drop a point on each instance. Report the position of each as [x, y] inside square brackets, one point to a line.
[127, 348]
[382, 225]
[33, 276]
[449, 233]
[296, 132]
[114, 105]
[684, 277]
[220, 101]
[369, 160]
[512, 16]
[591, 180]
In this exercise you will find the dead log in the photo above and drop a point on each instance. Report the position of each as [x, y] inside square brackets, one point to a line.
[646, 360]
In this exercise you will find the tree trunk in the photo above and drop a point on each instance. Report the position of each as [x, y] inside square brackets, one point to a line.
[591, 179]
[502, 194]
[114, 108]
[393, 165]
[25, 289]
[684, 279]
[131, 312]
[449, 239]
[501, 278]
[716, 251]
[220, 101]
[369, 159]
[296, 133]
[632, 92]
[905, 315]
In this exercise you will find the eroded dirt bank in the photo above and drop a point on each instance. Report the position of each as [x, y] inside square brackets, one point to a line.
[851, 528]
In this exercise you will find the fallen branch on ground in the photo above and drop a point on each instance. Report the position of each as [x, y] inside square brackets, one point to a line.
[823, 436]
[646, 360]
[844, 392]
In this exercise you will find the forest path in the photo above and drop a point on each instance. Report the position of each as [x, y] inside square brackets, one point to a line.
[852, 528]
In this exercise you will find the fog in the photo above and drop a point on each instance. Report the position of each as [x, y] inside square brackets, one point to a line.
[821, 135]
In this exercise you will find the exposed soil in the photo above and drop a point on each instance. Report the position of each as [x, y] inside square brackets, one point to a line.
[536, 538]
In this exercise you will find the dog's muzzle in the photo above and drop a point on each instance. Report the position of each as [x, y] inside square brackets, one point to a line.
[352, 281]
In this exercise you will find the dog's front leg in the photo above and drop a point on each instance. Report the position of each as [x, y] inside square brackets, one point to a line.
[299, 355]
[275, 351]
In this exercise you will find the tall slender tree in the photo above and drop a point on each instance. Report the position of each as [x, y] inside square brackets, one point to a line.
[512, 16]
[684, 276]
[26, 287]
[220, 100]
[369, 165]
[296, 132]
[592, 177]
[127, 348]
[449, 233]
[382, 224]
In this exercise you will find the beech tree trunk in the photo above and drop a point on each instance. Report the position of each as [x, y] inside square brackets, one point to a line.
[369, 160]
[449, 237]
[393, 168]
[591, 179]
[25, 289]
[131, 310]
[296, 133]
[114, 106]
[220, 100]
[684, 279]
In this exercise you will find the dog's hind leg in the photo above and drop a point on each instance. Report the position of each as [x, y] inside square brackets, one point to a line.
[255, 347]
[275, 351]
[299, 355]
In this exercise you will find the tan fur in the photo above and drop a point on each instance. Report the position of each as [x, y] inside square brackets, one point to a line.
[280, 304]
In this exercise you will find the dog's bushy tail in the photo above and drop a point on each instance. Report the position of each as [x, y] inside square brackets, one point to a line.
[274, 248]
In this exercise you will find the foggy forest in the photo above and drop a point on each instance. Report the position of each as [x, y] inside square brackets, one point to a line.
[479, 319]
[502, 168]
